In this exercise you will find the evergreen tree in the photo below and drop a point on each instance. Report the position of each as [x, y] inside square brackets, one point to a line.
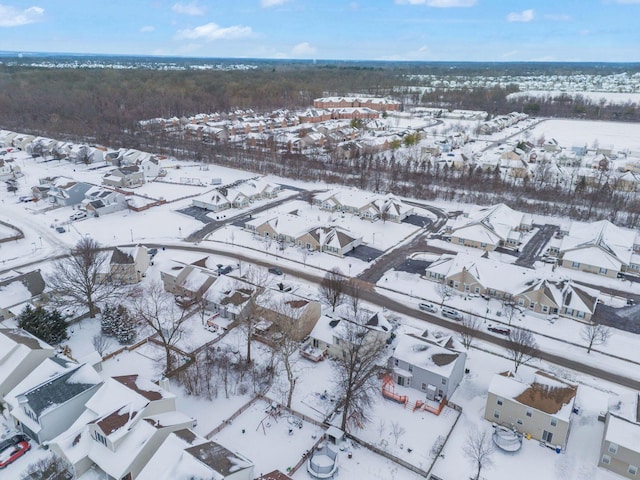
[107, 323]
[48, 326]
[124, 327]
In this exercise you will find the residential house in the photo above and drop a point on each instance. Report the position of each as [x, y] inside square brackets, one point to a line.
[100, 201]
[620, 450]
[539, 406]
[375, 103]
[432, 365]
[332, 332]
[20, 353]
[124, 177]
[191, 280]
[9, 169]
[214, 201]
[128, 265]
[51, 397]
[599, 247]
[67, 194]
[18, 289]
[363, 204]
[231, 298]
[489, 227]
[121, 428]
[185, 454]
[521, 286]
[288, 311]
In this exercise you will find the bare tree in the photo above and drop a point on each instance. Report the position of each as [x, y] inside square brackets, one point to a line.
[595, 334]
[333, 286]
[83, 278]
[445, 292]
[479, 449]
[510, 310]
[101, 343]
[468, 330]
[259, 278]
[357, 368]
[49, 467]
[158, 309]
[288, 323]
[521, 346]
[397, 431]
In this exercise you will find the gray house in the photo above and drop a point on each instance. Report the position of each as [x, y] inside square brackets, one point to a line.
[71, 193]
[52, 397]
[620, 450]
[539, 406]
[18, 290]
[434, 366]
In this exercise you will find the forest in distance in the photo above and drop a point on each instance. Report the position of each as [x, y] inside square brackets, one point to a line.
[105, 105]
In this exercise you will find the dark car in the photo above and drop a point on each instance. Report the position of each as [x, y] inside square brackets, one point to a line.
[13, 452]
[275, 271]
[499, 330]
[152, 252]
[60, 229]
[11, 441]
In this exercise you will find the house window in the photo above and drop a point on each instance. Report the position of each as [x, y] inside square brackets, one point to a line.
[521, 302]
[532, 305]
[580, 314]
[100, 438]
[613, 448]
[633, 469]
[411, 368]
[395, 362]
[545, 308]
[606, 459]
[496, 414]
[477, 290]
[529, 413]
[424, 386]
[444, 381]
[499, 401]
[554, 422]
[575, 265]
[483, 245]
[603, 271]
[460, 240]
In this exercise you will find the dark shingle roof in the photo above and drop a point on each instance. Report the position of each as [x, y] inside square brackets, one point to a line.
[121, 258]
[218, 458]
[56, 391]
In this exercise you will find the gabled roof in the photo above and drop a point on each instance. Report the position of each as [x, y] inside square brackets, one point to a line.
[425, 354]
[61, 388]
[614, 242]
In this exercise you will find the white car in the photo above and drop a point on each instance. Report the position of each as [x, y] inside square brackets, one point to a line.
[427, 307]
[78, 215]
[451, 313]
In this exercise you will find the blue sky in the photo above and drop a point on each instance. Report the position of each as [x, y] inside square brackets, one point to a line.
[426, 30]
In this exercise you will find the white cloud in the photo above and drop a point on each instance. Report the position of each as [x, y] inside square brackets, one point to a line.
[440, 3]
[13, 17]
[192, 8]
[272, 3]
[304, 49]
[147, 28]
[212, 31]
[523, 16]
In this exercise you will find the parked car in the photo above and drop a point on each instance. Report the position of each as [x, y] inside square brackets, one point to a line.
[451, 313]
[275, 271]
[152, 252]
[11, 441]
[225, 270]
[14, 452]
[499, 330]
[428, 307]
[25, 199]
[60, 229]
[78, 215]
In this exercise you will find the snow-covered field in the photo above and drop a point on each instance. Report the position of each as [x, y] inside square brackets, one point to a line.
[618, 135]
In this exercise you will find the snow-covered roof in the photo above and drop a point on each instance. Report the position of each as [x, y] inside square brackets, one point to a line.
[425, 354]
[15, 345]
[542, 392]
[623, 427]
[489, 224]
[600, 243]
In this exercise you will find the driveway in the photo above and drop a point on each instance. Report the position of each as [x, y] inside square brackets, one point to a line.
[364, 253]
[535, 247]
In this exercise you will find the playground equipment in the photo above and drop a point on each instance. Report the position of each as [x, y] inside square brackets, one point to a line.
[389, 391]
[323, 461]
[507, 439]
